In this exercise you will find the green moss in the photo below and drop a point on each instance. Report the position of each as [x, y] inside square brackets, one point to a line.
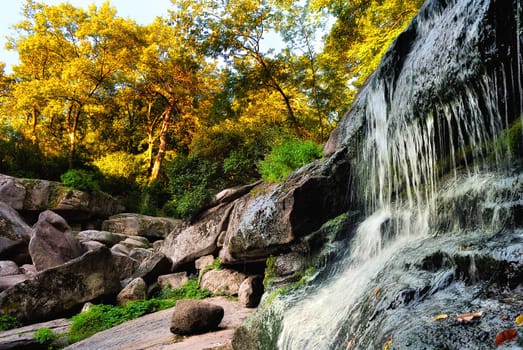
[269, 271]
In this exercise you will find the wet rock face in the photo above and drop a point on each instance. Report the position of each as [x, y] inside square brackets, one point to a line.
[265, 224]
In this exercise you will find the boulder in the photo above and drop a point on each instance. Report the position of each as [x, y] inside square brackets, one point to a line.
[32, 196]
[140, 254]
[173, 280]
[289, 264]
[120, 249]
[204, 261]
[12, 193]
[230, 194]
[7, 282]
[152, 267]
[14, 235]
[91, 245]
[52, 242]
[135, 290]
[268, 223]
[57, 291]
[224, 281]
[105, 237]
[135, 242]
[142, 225]
[198, 239]
[8, 268]
[28, 269]
[195, 317]
[251, 291]
[125, 265]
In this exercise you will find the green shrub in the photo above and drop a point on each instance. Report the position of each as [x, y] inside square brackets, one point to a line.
[81, 180]
[46, 336]
[189, 291]
[192, 183]
[8, 322]
[287, 156]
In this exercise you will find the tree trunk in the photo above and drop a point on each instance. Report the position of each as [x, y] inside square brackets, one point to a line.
[160, 155]
[73, 116]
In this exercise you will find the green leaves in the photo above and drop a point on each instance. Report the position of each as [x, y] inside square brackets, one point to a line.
[288, 156]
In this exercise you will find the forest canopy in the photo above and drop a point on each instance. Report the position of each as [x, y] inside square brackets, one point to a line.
[167, 114]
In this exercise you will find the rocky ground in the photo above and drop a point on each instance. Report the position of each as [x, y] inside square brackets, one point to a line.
[152, 332]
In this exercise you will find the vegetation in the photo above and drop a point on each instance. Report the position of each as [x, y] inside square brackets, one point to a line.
[169, 113]
[288, 156]
[46, 336]
[8, 322]
[80, 180]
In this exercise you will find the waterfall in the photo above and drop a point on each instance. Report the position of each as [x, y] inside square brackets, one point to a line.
[432, 161]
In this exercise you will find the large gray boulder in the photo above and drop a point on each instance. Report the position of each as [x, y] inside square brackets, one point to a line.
[195, 317]
[56, 291]
[198, 239]
[52, 242]
[14, 235]
[125, 265]
[33, 196]
[142, 225]
[268, 223]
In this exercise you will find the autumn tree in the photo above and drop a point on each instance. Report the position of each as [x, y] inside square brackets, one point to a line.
[361, 34]
[68, 56]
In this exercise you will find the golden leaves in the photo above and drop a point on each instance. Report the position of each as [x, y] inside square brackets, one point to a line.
[441, 317]
[519, 320]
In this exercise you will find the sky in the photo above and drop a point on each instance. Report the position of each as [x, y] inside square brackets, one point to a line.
[142, 11]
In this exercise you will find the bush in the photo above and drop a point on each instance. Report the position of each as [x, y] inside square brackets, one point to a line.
[79, 179]
[45, 336]
[189, 291]
[192, 183]
[287, 156]
[8, 322]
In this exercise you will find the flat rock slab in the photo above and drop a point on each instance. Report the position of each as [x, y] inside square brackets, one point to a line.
[152, 332]
[24, 337]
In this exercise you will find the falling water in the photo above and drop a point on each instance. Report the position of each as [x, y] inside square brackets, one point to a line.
[415, 160]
